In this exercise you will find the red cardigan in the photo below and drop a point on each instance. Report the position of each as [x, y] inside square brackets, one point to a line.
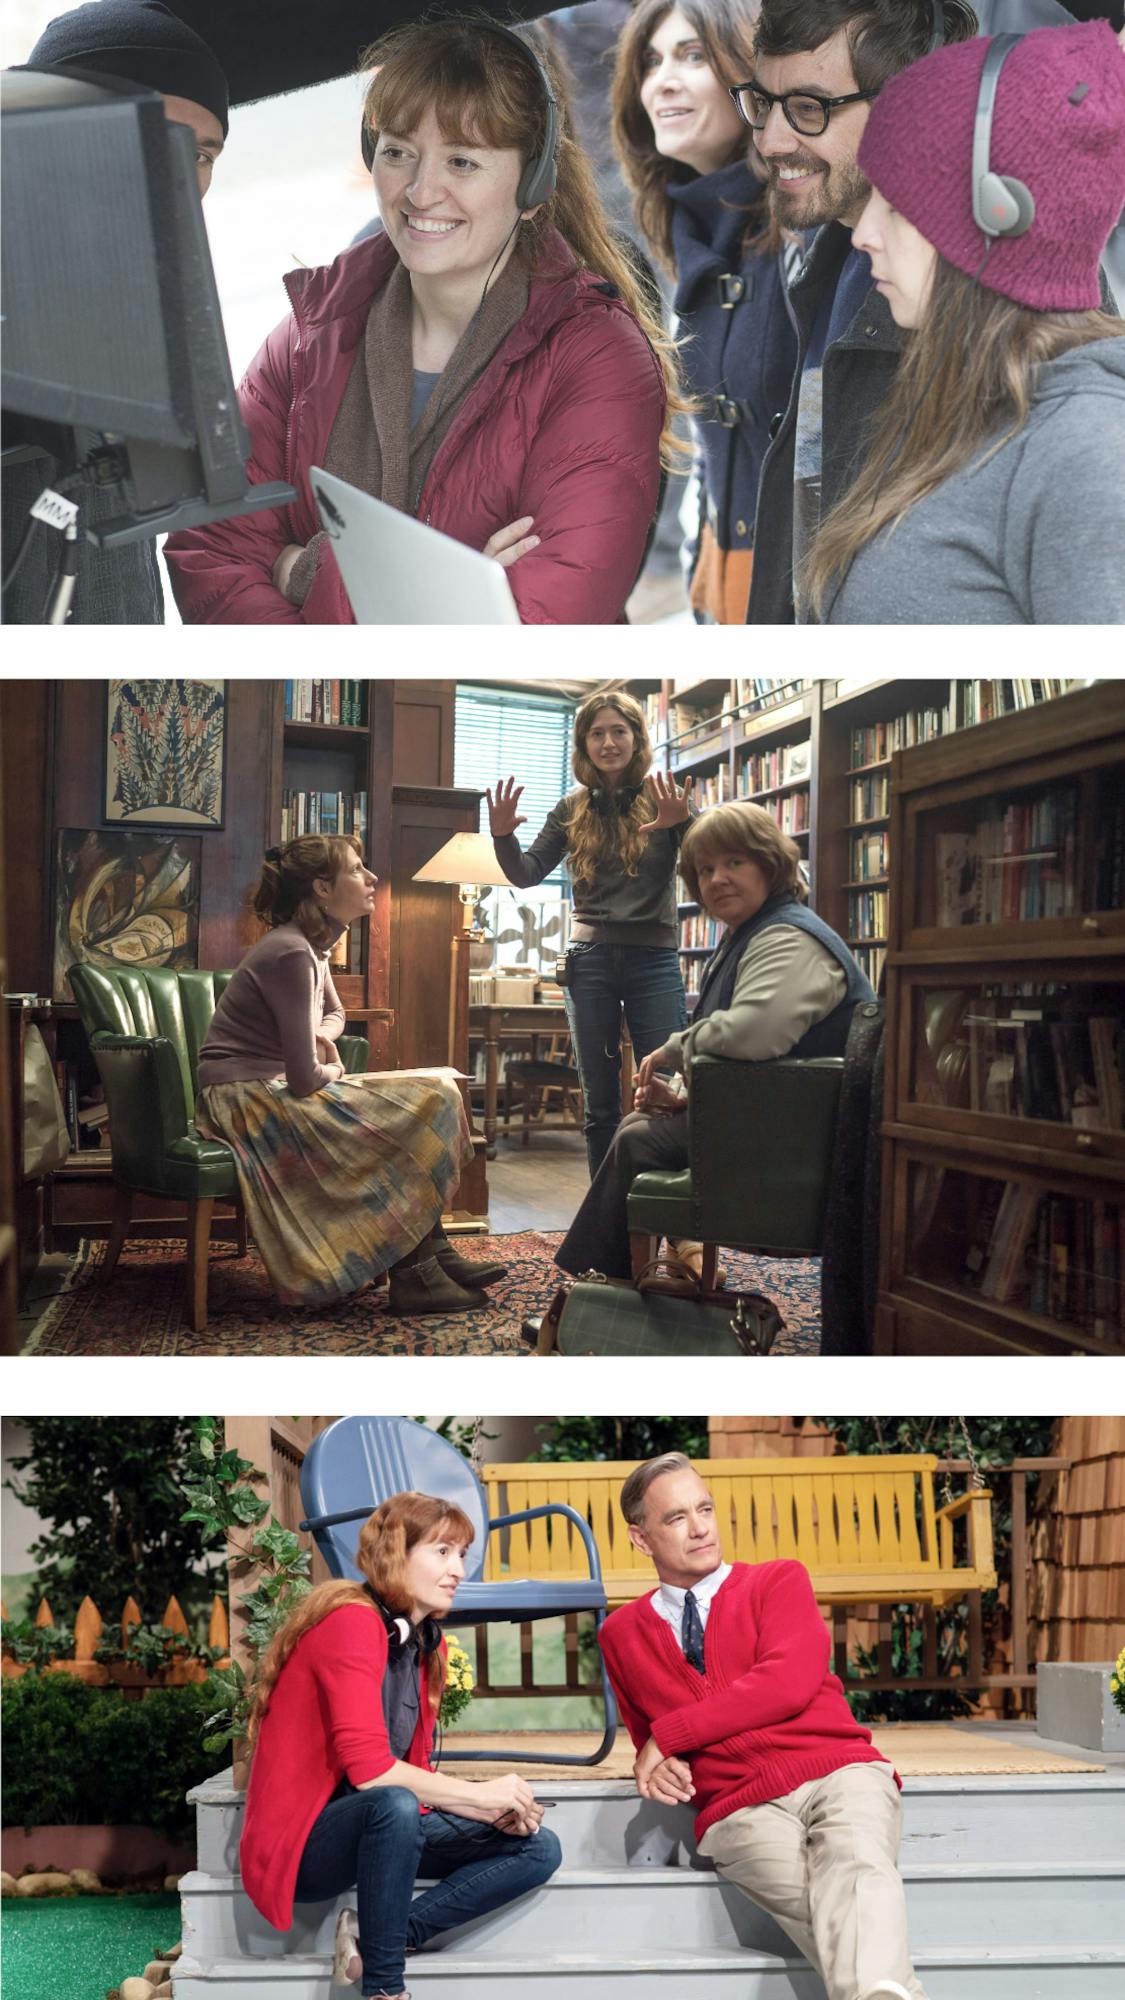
[765, 1717]
[324, 1722]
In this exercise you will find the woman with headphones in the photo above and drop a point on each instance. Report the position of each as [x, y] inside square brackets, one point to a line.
[487, 363]
[344, 1711]
[992, 492]
[703, 211]
[620, 832]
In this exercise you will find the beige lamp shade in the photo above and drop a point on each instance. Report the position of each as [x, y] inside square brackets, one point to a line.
[467, 858]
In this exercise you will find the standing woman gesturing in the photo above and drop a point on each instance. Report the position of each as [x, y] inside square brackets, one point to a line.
[620, 832]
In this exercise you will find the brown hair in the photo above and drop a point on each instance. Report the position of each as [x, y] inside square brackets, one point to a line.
[967, 371]
[385, 1541]
[593, 836]
[641, 1478]
[484, 93]
[741, 828]
[726, 30]
[885, 36]
[284, 894]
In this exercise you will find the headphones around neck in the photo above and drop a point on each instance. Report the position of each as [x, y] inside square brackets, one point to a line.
[400, 1631]
[1002, 205]
[537, 181]
[620, 800]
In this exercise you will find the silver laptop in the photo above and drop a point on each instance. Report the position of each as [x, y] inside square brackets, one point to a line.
[397, 571]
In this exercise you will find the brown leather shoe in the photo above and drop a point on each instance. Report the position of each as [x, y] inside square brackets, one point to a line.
[464, 1272]
[425, 1288]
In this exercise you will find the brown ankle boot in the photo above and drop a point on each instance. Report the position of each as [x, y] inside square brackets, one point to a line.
[425, 1288]
[464, 1272]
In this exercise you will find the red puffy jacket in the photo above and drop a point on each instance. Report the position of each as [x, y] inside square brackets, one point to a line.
[563, 424]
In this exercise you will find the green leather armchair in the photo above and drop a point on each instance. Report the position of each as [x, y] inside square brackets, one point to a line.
[146, 1029]
[760, 1139]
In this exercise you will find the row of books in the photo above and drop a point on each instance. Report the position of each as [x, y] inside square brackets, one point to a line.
[982, 701]
[762, 694]
[323, 812]
[869, 798]
[691, 970]
[871, 958]
[869, 856]
[785, 764]
[1018, 864]
[922, 725]
[698, 932]
[1058, 1256]
[87, 1118]
[868, 913]
[692, 723]
[714, 789]
[790, 810]
[1060, 1064]
[343, 703]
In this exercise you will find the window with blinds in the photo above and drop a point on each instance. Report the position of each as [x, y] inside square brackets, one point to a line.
[502, 733]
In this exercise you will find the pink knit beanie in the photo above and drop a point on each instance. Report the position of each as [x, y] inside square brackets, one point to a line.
[1059, 127]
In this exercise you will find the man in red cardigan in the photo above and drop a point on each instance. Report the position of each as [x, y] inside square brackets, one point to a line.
[723, 1678]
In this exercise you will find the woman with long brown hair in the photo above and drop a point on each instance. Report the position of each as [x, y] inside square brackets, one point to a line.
[340, 1181]
[703, 209]
[992, 491]
[620, 832]
[342, 1727]
[487, 364]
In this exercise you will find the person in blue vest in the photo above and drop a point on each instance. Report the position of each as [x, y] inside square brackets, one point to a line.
[781, 983]
[703, 210]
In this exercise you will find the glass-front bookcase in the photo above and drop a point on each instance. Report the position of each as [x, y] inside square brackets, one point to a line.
[1003, 1225]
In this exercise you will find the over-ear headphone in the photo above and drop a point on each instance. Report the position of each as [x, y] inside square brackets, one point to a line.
[537, 181]
[400, 1631]
[937, 32]
[1002, 206]
[621, 799]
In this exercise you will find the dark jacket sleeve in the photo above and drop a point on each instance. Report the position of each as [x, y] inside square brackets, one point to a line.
[525, 870]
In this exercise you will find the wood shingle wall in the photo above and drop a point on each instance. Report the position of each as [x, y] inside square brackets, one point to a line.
[1077, 1597]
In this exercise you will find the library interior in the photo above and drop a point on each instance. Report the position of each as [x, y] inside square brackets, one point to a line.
[639, 1016]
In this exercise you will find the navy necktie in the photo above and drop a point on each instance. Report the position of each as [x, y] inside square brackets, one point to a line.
[691, 1633]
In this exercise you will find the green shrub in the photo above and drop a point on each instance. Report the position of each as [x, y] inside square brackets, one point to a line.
[77, 1755]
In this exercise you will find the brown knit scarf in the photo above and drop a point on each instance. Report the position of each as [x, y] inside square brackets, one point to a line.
[371, 444]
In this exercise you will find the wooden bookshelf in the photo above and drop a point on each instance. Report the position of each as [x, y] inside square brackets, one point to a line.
[1003, 1220]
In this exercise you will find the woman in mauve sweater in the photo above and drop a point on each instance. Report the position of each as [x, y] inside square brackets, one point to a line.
[341, 1792]
[341, 1181]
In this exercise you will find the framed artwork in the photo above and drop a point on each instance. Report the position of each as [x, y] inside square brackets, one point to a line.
[165, 753]
[124, 899]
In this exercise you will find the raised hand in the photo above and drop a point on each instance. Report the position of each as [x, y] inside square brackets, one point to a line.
[502, 808]
[673, 802]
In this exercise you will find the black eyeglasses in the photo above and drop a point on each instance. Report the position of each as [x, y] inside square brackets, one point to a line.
[804, 111]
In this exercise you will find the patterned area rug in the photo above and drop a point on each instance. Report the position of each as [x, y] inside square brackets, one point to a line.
[141, 1310]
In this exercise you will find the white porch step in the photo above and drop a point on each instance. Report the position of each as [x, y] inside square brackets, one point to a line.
[627, 1910]
[676, 1975]
[601, 1821]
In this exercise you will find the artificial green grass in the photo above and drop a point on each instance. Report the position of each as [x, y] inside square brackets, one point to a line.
[81, 1947]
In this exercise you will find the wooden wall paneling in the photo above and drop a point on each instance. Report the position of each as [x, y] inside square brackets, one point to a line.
[232, 857]
[380, 816]
[26, 728]
[423, 918]
[423, 732]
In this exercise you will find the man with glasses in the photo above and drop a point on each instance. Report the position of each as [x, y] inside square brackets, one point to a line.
[819, 65]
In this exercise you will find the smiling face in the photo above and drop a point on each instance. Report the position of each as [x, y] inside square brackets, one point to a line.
[432, 1572]
[610, 744]
[449, 208]
[693, 118]
[679, 1530]
[902, 259]
[351, 895]
[732, 887]
[813, 180]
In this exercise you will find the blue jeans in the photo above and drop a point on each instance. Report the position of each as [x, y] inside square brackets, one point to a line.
[646, 981]
[378, 1842]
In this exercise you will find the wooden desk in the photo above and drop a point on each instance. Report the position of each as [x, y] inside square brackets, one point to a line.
[509, 1024]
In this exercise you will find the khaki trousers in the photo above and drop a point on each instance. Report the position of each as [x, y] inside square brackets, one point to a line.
[823, 1861]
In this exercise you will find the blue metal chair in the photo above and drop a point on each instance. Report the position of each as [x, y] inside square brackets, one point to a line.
[372, 1458]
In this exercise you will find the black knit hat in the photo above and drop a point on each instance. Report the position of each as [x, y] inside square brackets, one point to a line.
[141, 41]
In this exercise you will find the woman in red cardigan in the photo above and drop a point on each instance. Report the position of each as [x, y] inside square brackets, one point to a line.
[341, 1793]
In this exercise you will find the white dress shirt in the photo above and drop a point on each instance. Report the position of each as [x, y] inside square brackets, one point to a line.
[668, 1600]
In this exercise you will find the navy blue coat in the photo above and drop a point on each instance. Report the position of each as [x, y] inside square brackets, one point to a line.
[740, 344]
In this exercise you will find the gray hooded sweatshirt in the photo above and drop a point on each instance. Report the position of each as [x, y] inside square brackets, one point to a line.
[1029, 532]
